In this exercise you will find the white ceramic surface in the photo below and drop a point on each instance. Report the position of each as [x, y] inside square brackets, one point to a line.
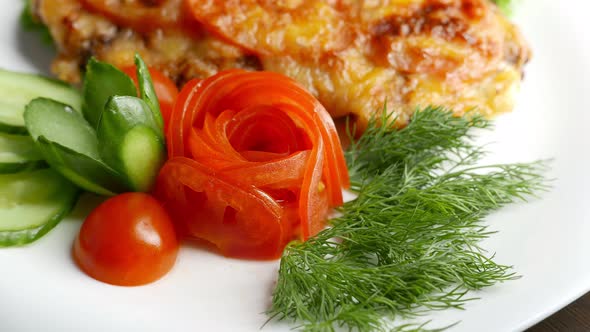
[547, 240]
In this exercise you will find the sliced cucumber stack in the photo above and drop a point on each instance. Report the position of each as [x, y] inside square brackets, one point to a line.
[33, 198]
[32, 203]
[18, 89]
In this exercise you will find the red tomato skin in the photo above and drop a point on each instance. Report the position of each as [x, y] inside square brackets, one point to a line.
[166, 90]
[129, 240]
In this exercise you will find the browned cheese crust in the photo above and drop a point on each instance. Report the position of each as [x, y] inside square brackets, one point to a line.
[354, 55]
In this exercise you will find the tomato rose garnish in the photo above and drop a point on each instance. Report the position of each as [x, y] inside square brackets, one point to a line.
[255, 162]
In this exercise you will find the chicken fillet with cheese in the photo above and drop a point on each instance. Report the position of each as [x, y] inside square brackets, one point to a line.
[355, 56]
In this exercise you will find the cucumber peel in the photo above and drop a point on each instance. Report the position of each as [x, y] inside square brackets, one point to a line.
[101, 82]
[147, 91]
[70, 146]
[90, 174]
[58, 123]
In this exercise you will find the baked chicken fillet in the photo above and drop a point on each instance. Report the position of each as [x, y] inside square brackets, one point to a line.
[354, 55]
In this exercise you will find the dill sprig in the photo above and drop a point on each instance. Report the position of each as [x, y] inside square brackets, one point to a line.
[409, 242]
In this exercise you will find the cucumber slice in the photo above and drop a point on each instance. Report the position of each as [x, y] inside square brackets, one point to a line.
[142, 156]
[131, 141]
[18, 153]
[33, 203]
[102, 81]
[18, 89]
[70, 146]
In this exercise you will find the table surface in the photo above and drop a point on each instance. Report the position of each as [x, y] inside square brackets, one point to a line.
[575, 317]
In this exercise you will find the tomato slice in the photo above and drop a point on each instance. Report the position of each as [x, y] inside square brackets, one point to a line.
[285, 170]
[139, 15]
[166, 90]
[262, 138]
[241, 221]
[181, 119]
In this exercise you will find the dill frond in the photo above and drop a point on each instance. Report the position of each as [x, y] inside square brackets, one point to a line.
[409, 242]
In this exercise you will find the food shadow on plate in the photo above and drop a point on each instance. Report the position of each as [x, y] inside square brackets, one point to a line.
[200, 245]
[34, 50]
[86, 203]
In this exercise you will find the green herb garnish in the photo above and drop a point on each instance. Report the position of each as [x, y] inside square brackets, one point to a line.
[409, 242]
[505, 5]
[30, 23]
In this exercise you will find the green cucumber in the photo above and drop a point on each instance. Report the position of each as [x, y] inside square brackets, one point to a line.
[33, 203]
[18, 153]
[70, 146]
[59, 123]
[101, 82]
[17, 89]
[142, 155]
[147, 91]
[131, 141]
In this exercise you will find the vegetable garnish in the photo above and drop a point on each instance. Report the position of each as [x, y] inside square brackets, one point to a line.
[411, 238]
[69, 144]
[108, 142]
[129, 240]
[117, 145]
[255, 163]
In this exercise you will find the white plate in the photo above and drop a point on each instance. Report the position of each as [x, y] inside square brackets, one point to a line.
[548, 240]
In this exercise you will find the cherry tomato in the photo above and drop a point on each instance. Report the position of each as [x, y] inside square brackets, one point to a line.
[128, 240]
[166, 90]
